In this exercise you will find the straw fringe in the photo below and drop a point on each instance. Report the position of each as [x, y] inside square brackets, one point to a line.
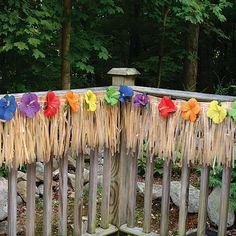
[24, 140]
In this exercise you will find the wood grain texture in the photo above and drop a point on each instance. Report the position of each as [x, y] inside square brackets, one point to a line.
[224, 202]
[165, 200]
[202, 213]
[183, 208]
[63, 187]
[103, 232]
[148, 195]
[30, 202]
[132, 173]
[106, 189]
[12, 181]
[92, 204]
[78, 206]
[47, 199]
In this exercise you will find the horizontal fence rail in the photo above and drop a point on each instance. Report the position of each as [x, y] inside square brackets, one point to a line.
[119, 188]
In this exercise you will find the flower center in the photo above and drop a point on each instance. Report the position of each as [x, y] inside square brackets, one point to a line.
[8, 103]
[31, 102]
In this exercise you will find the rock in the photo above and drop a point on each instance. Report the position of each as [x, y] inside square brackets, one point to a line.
[40, 189]
[3, 198]
[21, 176]
[71, 180]
[213, 208]
[55, 163]
[3, 228]
[86, 176]
[71, 163]
[55, 174]
[39, 171]
[18, 200]
[193, 200]
[156, 191]
[191, 232]
[22, 190]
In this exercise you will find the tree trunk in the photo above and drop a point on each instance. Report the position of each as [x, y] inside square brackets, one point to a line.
[191, 60]
[65, 47]
[161, 48]
[205, 82]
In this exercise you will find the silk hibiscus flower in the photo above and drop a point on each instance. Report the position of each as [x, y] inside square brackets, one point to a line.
[216, 112]
[73, 100]
[141, 100]
[90, 100]
[29, 105]
[166, 106]
[8, 107]
[190, 109]
[125, 93]
[52, 104]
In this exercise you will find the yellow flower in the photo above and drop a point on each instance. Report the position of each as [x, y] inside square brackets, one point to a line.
[90, 100]
[216, 112]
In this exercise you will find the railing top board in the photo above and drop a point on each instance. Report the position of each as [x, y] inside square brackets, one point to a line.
[149, 90]
[183, 94]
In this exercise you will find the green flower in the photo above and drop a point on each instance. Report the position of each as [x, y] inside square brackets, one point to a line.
[111, 96]
[232, 111]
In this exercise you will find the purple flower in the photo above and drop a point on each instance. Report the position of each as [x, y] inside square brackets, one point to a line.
[125, 93]
[29, 105]
[141, 100]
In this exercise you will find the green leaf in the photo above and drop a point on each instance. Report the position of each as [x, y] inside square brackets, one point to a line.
[38, 54]
[34, 42]
[21, 46]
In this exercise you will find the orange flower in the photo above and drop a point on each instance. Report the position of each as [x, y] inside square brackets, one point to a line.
[73, 100]
[190, 109]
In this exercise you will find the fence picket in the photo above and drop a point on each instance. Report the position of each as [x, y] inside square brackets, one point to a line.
[63, 187]
[12, 179]
[165, 200]
[132, 173]
[183, 208]
[106, 189]
[92, 206]
[78, 207]
[224, 206]
[202, 214]
[148, 195]
[47, 199]
[30, 203]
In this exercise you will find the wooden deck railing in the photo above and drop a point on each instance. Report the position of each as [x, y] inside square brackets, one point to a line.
[119, 189]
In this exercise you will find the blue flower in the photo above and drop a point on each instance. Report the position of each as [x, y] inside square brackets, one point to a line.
[125, 93]
[7, 107]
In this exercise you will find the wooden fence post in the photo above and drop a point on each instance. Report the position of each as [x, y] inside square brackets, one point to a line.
[119, 178]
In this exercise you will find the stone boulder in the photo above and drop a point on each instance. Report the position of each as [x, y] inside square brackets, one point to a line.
[193, 200]
[39, 171]
[213, 208]
[3, 198]
[22, 190]
[156, 191]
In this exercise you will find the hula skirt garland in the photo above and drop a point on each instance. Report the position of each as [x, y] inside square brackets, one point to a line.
[42, 127]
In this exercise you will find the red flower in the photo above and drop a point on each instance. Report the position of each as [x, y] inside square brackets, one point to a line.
[166, 106]
[53, 104]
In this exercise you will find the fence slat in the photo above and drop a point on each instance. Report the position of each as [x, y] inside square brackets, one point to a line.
[202, 213]
[47, 199]
[63, 187]
[30, 202]
[165, 200]
[183, 208]
[78, 207]
[92, 206]
[148, 195]
[132, 190]
[106, 189]
[12, 179]
[224, 206]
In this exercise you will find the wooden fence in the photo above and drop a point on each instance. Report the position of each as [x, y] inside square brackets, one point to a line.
[119, 189]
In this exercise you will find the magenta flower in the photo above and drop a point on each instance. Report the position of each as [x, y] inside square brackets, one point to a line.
[29, 105]
[141, 100]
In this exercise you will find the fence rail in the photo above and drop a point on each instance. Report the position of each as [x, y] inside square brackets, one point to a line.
[119, 189]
